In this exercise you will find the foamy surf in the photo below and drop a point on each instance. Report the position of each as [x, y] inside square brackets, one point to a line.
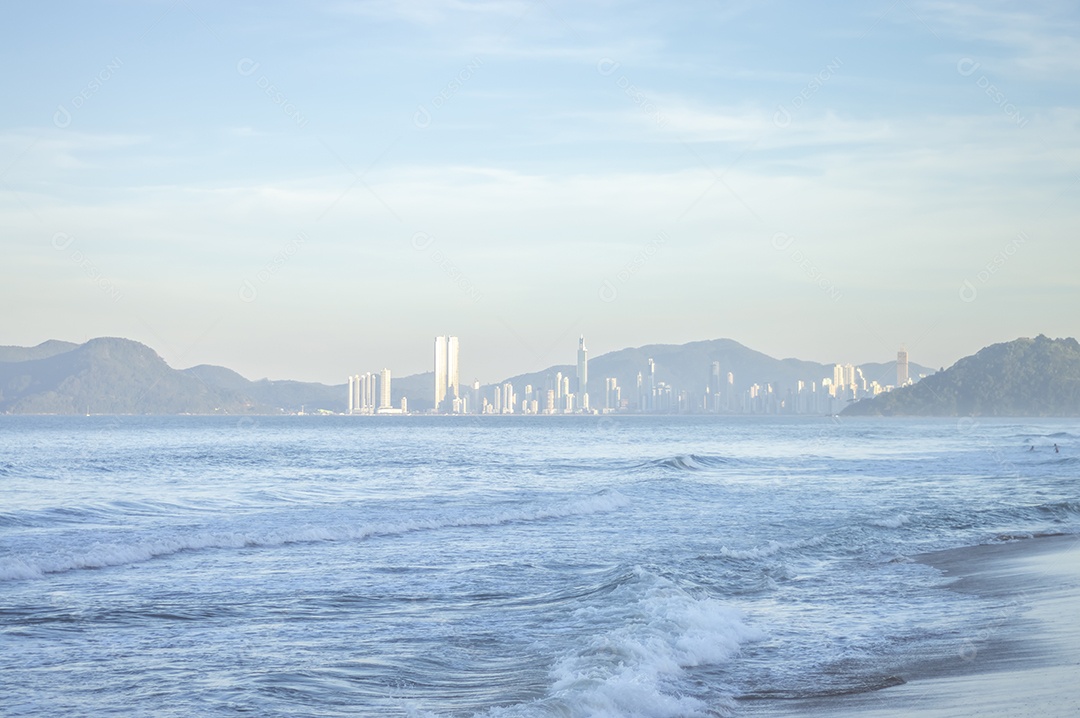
[891, 522]
[651, 632]
[343, 567]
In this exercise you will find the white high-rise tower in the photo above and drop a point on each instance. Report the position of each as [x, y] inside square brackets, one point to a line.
[384, 390]
[440, 372]
[452, 368]
[447, 373]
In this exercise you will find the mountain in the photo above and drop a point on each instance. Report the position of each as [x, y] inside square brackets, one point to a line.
[688, 366]
[419, 389]
[266, 396]
[120, 376]
[44, 350]
[1025, 377]
[108, 376]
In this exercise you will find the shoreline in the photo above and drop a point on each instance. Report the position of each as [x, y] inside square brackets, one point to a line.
[1024, 661]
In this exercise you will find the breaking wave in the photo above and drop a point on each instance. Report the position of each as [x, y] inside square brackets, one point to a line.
[892, 522]
[655, 631]
[692, 462]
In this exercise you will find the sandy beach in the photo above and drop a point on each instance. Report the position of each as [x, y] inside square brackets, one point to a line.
[1025, 661]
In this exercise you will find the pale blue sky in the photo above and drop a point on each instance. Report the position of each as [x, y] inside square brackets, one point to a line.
[312, 190]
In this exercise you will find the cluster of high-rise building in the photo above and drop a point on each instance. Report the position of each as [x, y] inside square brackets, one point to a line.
[561, 394]
[564, 394]
[369, 393]
[827, 396]
[448, 399]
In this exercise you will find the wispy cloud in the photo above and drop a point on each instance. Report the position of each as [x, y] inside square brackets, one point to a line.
[1037, 39]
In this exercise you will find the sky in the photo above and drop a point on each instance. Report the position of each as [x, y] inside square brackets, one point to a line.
[312, 190]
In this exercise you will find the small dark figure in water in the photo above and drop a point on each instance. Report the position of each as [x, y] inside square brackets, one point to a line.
[1056, 450]
[1032, 448]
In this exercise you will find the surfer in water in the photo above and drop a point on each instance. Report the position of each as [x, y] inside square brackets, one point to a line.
[1032, 448]
[1056, 450]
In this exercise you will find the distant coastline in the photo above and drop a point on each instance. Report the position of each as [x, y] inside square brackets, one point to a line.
[1024, 378]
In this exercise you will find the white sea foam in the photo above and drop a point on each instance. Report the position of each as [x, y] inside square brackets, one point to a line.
[102, 555]
[655, 632]
[892, 522]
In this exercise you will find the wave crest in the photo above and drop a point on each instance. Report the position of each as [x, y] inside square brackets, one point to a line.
[692, 462]
[658, 631]
[892, 522]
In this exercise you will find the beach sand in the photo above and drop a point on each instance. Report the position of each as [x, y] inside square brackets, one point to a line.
[1024, 662]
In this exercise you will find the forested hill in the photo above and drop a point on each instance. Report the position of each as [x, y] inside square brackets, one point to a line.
[118, 376]
[1025, 377]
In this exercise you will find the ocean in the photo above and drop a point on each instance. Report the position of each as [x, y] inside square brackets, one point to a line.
[498, 566]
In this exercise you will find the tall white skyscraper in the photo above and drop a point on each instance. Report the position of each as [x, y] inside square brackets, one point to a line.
[509, 400]
[582, 375]
[901, 367]
[384, 390]
[849, 377]
[453, 377]
[612, 395]
[367, 403]
[716, 387]
[651, 388]
[440, 372]
[447, 373]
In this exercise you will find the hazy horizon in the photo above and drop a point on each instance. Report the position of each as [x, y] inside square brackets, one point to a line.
[519, 371]
[311, 192]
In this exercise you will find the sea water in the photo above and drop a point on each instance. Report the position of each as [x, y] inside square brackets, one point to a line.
[497, 566]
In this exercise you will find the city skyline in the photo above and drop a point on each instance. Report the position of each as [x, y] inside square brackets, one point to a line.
[234, 184]
[559, 393]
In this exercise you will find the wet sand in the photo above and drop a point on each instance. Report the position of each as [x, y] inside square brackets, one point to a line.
[1025, 661]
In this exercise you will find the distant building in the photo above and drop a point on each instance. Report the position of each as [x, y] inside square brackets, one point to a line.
[440, 372]
[902, 367]
[582, 375]
[715, 392]
[362, 393]
[447, 374]
[384, 390]
[453, 378]
[612, 396]
[508, 399]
